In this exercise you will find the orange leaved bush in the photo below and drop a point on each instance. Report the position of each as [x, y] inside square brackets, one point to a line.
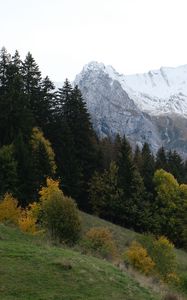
[99, 241]
[29, 217]
[138, 257]
[153, 255]
[9, 210]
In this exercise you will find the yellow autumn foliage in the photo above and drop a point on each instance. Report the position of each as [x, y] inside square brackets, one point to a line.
[27, 222]
[38, 138]
[163, 242]
[46, 191]
[29, 218]
[25, 219]
[9, 210]
[99, 241]
[172, 278]
[154, 254]
[138, 257]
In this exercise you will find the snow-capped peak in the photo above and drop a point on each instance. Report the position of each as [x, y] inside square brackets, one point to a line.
[157, 92]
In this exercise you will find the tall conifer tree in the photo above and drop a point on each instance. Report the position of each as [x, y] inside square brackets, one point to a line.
[71, 108]
[15, 113]
[147, 168]
[176, 166]
[132, 185]
[161, 159]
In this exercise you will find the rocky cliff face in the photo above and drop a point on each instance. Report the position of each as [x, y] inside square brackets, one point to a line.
[149, 107]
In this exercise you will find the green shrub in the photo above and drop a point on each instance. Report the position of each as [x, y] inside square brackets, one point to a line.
[164, 257]
[59, 213]
[161, 251]
[99, 241]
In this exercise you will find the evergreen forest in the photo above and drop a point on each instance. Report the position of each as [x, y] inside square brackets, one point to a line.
[48, 133]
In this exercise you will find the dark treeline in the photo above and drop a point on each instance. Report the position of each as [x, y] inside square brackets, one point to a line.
[141, 191]
[48, 133]
[29, 101]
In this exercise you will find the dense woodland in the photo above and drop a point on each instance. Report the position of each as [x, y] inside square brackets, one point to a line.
[46, 132]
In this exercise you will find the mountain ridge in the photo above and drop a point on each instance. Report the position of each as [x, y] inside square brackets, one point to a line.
[157, 92]
[149, 107]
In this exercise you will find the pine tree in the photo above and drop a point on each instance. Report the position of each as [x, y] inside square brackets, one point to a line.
[25, 191]
[40, 93]
[64, 99]
[105, 194]
[68, 165]
[32, 76]
[8, 170]
[161, 159]
[15, 113]
[138, 158]
[46, 104]
[117, 144]
[69, 170]
[147, 168]
[43, 159]
[132, 185]
[4, 63]
[32, 85]
[72, 109]
[81, 128]
[176, 166]
[126, 168]
[107, 152]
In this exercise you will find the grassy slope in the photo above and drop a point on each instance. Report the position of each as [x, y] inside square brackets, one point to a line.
[124, 236]
[31, 270]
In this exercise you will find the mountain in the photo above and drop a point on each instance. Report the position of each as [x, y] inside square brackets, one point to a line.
[149, 107]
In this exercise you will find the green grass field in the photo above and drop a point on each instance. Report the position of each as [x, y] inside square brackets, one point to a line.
[32, 269]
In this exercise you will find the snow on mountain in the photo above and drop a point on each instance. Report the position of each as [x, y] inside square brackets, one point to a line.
[157, 92]
[149, 107]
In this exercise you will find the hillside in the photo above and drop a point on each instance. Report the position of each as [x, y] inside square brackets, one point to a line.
[124, 237]
[32, 269]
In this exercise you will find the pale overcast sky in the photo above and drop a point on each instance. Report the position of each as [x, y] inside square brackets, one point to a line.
[131, 35]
